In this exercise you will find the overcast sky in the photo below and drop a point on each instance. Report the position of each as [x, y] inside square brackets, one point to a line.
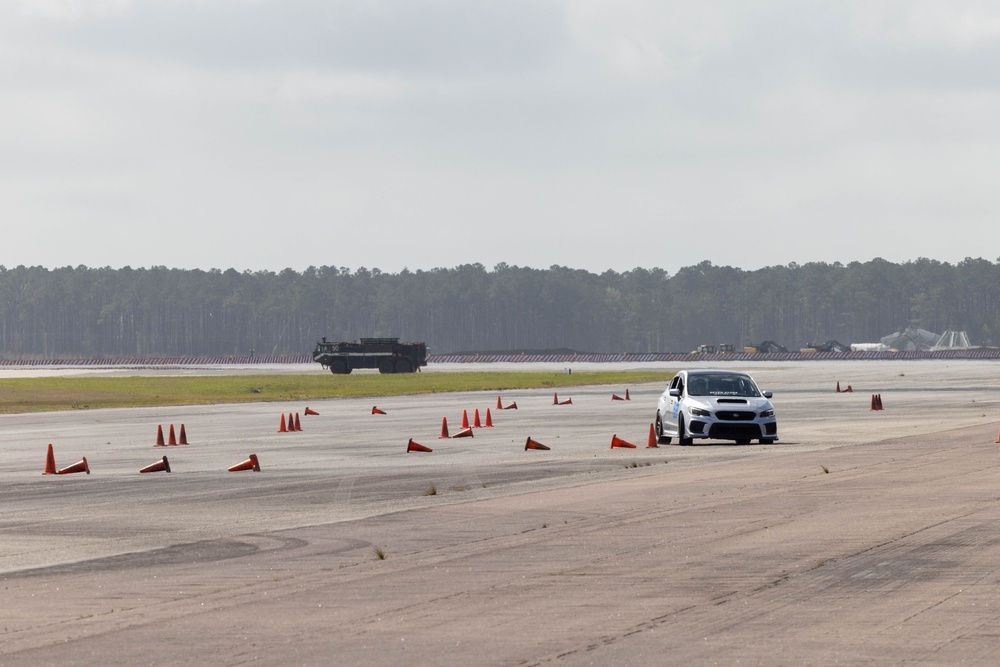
[263, 135]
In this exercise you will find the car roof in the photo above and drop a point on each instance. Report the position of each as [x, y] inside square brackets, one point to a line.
[715, 371]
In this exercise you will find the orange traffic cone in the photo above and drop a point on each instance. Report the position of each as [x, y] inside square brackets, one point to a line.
[50, 450]
[161, 465]
[376, 411]
[250, 464]
[444, 428]
[651, 442]
[416, 447]
[50, 461]
[159, 436]
[873, 403]
[298, 424]
[475, 420]
[499, 404]
[310, 411]
[838, 386]
[555, 398]
[465, 419]
[172, 438]
[512, 406]
[464, 433]
[879, 401]
[534, 444]
[616, 397]
[849, 388]
[81, 466]
[489, 419]
[291, 423]
[282, 428]
[182, 439]
[618, 442]
[627, 397]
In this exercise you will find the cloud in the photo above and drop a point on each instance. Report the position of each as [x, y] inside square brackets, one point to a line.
[412, 37]
[638, 39]
[588, 127]
[959, 26]
[69, 11]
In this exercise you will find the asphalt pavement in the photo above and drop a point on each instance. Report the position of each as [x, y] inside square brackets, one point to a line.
[861, 537]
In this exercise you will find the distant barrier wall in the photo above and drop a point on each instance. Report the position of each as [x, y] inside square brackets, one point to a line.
[624, 357]
[160, 361]
[637, 357]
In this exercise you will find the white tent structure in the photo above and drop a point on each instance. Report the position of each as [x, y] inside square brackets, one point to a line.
[952, 340]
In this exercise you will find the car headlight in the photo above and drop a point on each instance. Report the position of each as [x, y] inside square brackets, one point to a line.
[700, 412]
[767, 413]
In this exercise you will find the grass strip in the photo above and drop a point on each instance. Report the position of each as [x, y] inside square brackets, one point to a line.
[19, 395]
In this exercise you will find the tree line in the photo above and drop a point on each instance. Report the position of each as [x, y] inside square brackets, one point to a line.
[86, 312]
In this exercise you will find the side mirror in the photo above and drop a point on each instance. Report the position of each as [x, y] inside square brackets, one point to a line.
[675, 392]
[768, 394]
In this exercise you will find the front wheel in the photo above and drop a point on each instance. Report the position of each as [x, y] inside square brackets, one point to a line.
[660, 438]
[339, 367]
[682, 436]
[386, 366]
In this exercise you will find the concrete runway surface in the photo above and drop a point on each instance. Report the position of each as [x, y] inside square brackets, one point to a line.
[862, 537]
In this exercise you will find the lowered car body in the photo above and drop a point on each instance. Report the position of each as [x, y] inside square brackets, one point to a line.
[717, 405]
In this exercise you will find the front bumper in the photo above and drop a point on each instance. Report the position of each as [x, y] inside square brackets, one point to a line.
[730, 430]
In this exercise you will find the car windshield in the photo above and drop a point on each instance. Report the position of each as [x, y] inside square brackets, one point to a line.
[722, 384]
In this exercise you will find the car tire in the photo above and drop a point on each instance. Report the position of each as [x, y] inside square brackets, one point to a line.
[386, 366]
[681, 433]
[339, 367]
[660, 438]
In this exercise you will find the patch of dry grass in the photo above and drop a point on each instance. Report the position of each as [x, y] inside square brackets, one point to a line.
[67, 393]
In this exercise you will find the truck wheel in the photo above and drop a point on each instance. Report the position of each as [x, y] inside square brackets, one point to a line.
[386, 366]
[404, 366]
[339, 367]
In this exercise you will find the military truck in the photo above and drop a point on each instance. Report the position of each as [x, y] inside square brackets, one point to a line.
[724, 348]
[388, 355]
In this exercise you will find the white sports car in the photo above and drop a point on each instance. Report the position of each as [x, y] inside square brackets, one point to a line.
[721, 405]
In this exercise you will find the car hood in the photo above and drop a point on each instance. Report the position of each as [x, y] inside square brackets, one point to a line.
[730, 403]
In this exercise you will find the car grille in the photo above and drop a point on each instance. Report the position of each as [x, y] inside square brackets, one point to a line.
[734, 415]
[734, 431]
